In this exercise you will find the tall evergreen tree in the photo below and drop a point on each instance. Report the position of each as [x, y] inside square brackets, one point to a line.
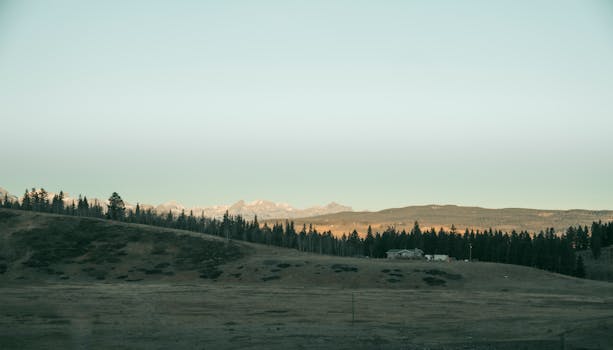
[6, 203]
[596, 240]
[26, 201]
[116, 207]
[57, 205]
[369, 243]
[580, 268]
[82, 206]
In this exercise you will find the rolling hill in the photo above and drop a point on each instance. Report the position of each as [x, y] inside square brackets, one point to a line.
[70, 282]
[38, 246]
[531, 220]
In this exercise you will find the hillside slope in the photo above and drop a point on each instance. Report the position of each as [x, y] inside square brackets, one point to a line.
[44, 247]
[532, 220]
[48, 247]
[79, 283]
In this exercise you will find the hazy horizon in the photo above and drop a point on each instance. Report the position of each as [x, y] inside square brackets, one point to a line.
[133, 202]
[374, 106]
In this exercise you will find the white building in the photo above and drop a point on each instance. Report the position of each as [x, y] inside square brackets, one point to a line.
[437, 257]
[405, 253]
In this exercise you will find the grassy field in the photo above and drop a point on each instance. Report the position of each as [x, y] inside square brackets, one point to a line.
[531, 220]
[210, 294]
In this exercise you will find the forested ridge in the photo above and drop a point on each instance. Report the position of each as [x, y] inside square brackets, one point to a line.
[544, 250]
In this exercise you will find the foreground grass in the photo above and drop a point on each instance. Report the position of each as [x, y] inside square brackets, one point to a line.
[223, 316]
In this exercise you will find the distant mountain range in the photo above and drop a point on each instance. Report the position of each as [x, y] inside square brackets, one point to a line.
[262, 208]
[437, 216]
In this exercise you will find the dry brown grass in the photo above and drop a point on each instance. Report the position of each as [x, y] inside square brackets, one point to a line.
[275, 298]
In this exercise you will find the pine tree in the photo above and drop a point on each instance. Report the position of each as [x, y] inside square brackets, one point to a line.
[369, 243]
[6, 203]
[116, 207]
[43, 200]
[26, 201]
[57, 204]
[353, 242]
[596, 240]
[580, 268]
[82, 206]
[137, 214]
[182, 220]
[169, 219]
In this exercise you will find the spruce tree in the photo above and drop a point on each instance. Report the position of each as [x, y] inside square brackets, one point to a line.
[580, 268]
[596, 240]
[43, 200]
[26, 201]
[116, 207]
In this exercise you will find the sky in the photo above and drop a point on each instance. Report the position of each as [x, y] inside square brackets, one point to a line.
[372, 104]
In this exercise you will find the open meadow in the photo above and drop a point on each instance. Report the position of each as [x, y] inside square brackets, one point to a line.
[136, 287]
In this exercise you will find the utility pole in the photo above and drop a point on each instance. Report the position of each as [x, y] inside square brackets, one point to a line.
[470, 254]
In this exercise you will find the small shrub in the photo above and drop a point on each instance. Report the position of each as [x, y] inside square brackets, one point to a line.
[344, 268]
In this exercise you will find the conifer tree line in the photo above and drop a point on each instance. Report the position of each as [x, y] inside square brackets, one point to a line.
[545, 250]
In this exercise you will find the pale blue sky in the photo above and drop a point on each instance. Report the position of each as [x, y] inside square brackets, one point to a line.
[372, 104]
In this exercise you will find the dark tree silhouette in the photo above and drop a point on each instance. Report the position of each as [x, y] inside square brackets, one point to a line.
[580, 268]
[596, 239]
[116, 207]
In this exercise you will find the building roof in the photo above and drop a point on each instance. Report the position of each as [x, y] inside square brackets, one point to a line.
[403, 250]
[395, 250]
